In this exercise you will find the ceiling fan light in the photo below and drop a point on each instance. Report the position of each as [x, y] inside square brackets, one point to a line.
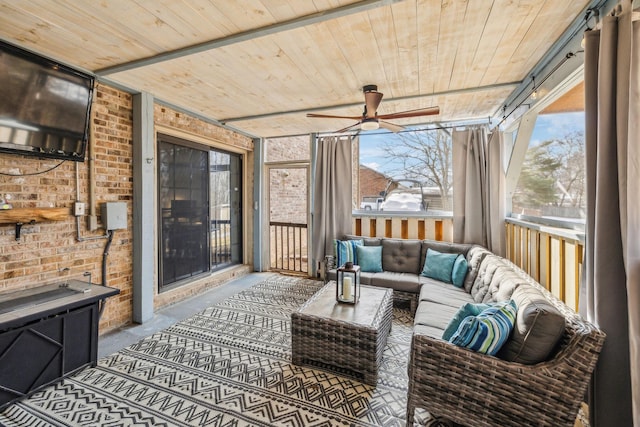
[369, 124]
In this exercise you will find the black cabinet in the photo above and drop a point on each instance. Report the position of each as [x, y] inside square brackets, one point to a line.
[43, 342]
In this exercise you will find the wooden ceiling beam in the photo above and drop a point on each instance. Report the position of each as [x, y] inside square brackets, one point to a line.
[291, 24]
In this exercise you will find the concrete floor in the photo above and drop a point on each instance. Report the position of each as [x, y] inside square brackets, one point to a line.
[116, 340]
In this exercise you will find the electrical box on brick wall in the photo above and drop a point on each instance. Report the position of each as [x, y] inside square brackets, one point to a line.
[114, 215]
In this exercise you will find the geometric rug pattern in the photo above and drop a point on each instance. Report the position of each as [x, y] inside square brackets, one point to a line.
[229, 365]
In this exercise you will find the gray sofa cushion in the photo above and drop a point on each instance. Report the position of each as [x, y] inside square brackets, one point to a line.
[539, 326]
[435, 315]
[474, 258]
[504, 282]
[490, 265]
[405, 282]
[401, 256]
[442, 293]
[430, 331]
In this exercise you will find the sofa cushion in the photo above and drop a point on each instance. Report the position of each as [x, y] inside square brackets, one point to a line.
[488, 331]
[538, 328]
[370, 258]
[442, 247]
[365, 278]
[405, 282]
[434, 315]
[474, 258]
[345, 251]
[401, 256]
[504, 282]
[442, 293]
[430, 331]
[439, 265]
[459, 272]
[488, 267]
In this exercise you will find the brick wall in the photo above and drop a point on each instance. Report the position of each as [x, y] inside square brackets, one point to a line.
[288, 195]
[165, 116]
[293, 148]
[288, 190]
[45, 248]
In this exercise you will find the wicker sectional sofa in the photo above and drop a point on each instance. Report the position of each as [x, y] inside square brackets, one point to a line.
[538, 377]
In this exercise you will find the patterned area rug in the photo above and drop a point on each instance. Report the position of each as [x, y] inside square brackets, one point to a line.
[226, 366]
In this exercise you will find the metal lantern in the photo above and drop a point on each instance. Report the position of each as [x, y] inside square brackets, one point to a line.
[348, 286]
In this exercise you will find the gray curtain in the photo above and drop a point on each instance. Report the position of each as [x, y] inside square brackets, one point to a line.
[478, 188]
[612, 279]
[332, 195]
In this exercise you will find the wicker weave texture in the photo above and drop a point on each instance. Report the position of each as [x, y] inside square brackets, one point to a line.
[317, 338]
[474, 389]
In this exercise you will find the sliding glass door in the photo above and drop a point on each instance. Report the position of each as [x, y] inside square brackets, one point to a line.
[226, 209]
[200, 210]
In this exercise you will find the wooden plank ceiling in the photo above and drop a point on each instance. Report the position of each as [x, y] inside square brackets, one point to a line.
[260, 65]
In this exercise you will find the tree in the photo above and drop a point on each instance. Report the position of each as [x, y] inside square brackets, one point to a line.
[570, 177]
[423, 156]
[536, 185]
[553, 175]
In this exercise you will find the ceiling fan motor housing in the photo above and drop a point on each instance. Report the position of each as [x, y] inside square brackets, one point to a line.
[370, 120]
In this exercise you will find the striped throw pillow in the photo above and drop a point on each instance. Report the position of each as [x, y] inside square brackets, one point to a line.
[488, 331]
[345, 251]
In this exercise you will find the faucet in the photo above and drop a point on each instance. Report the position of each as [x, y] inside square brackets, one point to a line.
[66, 279]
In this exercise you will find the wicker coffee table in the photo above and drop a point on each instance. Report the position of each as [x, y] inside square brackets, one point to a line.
[348, 339]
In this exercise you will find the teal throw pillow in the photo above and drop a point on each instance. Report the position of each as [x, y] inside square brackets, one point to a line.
[439, 265]
[345, 251]
[460, 268]
[468, 309]
[370, 258]
[488, 331]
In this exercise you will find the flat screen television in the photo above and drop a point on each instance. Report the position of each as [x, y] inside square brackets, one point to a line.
[44, 106]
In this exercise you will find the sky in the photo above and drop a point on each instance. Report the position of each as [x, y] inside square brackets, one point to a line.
[547, 127]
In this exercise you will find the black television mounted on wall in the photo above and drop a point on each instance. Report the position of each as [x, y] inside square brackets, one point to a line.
[44, 106]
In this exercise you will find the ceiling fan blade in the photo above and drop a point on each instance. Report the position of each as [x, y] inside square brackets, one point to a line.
[412, 113]
[372, 101]
[390, 126]
[347, 128]
[328, 116]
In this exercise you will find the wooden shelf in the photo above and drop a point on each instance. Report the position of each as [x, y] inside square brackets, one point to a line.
[30, 215]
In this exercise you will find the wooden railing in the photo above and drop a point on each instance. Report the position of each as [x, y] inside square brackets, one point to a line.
[404, 227]
[552, 255]
[289, 248]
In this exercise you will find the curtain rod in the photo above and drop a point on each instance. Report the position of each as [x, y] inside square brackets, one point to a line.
[568, 56]
[438, 126]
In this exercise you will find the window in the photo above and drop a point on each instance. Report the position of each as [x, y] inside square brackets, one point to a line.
[409, 170]
[552, 178]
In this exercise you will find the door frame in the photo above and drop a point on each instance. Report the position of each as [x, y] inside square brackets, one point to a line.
[306, 165]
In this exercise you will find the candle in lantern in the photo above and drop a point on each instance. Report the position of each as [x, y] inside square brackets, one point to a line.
[346, 288]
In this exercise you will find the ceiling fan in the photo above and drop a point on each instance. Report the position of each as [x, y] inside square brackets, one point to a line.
[370, 120]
